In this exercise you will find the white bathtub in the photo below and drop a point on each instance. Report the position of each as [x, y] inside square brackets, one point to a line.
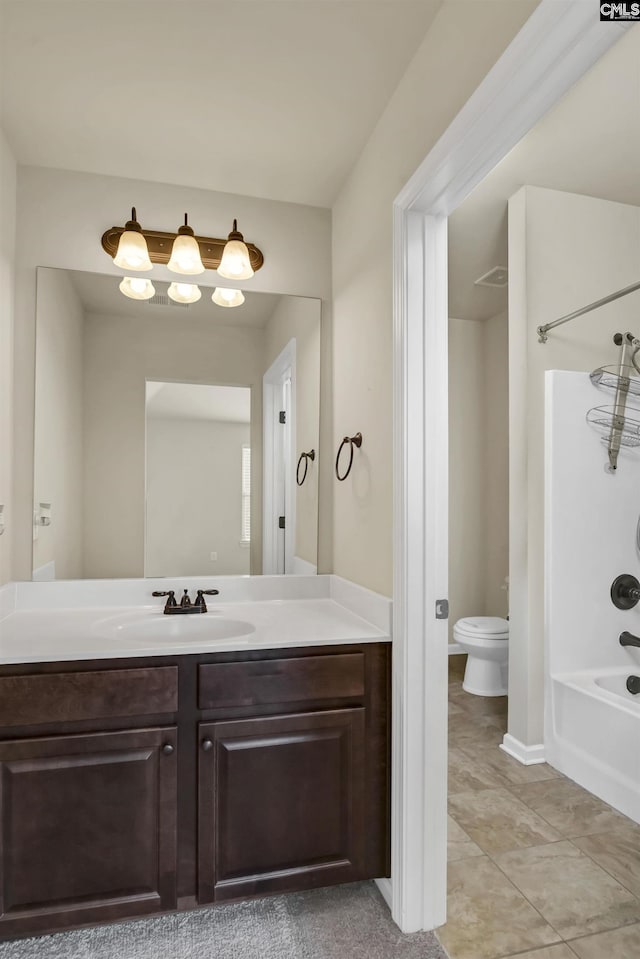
[593, 734]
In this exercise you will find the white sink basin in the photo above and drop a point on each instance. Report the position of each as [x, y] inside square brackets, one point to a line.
[156, 627]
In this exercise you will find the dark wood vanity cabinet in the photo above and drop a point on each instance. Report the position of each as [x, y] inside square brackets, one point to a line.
[132, 787]
[281, 803]
[88, 828]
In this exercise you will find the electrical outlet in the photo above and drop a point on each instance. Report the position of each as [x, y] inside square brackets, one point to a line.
[213, 557]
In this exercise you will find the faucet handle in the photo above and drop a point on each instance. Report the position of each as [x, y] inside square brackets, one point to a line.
[200, 602]
[171, 601]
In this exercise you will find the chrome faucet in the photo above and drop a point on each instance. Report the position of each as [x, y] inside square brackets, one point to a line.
[172, 607]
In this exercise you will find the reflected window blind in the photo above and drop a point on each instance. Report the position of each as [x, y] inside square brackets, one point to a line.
[245, 533]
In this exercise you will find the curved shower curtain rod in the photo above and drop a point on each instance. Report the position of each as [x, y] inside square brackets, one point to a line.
[542, 331]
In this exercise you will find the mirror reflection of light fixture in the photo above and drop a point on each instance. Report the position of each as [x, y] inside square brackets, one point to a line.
[224, 297]
[235, 263]
[137, 288]
[132, 252]
[185, 253]
[184, 292]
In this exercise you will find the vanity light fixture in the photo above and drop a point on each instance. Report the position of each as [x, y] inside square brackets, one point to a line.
[154, 246]
[236, 262]
[184, 292]
[137, 288]
[185, 252]
[224, 297]
[132, 252]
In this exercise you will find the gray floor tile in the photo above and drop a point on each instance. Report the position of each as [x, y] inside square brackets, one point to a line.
[619, 853]
[487, 916]
[619, 944]
[572, 892]
[497, 821]
[568, 808]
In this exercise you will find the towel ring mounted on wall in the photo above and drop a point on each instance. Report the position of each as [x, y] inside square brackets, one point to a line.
[304, 458]
[352, 441]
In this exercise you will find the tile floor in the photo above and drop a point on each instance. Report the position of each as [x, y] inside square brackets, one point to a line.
[538, 867]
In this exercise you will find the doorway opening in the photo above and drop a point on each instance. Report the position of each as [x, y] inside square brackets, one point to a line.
[552, 51]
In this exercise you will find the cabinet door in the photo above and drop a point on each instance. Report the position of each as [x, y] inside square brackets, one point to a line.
[88, 828]
[281, 803]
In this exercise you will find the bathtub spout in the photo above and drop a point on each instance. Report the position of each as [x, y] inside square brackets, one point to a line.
[628, 639]
[633, 685]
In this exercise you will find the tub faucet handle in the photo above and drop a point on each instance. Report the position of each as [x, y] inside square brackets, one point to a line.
[625, 591]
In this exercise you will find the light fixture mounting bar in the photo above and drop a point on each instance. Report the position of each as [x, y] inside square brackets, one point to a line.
[160, 245]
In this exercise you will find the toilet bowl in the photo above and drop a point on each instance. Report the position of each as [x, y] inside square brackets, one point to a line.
[485, 639]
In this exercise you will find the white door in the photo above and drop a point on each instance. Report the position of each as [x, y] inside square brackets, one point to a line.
[279, 467]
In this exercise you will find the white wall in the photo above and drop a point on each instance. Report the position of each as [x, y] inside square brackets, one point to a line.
[59, 440]
[119, 356]
[61, 217]
[194, 497]
[565, 251]
[496, 463]
[7, 262]
[465, 40]
[468, 482]
[298, 319]
[478, 468]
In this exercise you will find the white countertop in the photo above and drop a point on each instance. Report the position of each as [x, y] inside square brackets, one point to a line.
[114, 632]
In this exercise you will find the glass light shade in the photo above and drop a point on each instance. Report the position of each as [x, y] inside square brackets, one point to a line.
[224, 297]
[185, 256]
[132, 252]
[184, 292]
[235, 263]
[137, 288]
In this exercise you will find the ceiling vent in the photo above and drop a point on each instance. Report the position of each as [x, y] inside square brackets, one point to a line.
[497, 277]
[161, 299]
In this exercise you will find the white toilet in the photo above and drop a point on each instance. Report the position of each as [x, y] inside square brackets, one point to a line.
[485, 639]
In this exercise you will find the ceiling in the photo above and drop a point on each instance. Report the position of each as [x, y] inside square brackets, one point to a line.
[99, 293]
[195, 401]
[268, 98]
[588, 144]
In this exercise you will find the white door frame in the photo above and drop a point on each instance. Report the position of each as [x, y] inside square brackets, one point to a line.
[558, 44]
[282, 367]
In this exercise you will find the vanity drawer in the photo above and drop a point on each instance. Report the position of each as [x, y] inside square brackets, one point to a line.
[282, 681]
[73, 697]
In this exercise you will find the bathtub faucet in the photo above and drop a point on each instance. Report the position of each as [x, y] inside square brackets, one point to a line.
[628, 639]
[625, 591]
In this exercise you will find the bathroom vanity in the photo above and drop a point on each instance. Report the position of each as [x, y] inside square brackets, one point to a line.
[136, 784]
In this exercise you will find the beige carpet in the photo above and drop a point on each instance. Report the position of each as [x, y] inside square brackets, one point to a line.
[342, 922]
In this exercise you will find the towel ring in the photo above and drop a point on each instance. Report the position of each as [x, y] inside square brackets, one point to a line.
[352, 441]
[304, 457]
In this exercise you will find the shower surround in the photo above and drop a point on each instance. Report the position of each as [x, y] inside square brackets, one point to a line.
[592, 723]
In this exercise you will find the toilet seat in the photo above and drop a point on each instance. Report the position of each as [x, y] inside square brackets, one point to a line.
[482, 627]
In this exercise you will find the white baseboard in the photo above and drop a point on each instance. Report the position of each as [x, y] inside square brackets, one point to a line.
[527, 755]
[455, 649]
[384, 886]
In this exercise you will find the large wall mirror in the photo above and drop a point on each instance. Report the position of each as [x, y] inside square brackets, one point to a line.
[169, 438]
